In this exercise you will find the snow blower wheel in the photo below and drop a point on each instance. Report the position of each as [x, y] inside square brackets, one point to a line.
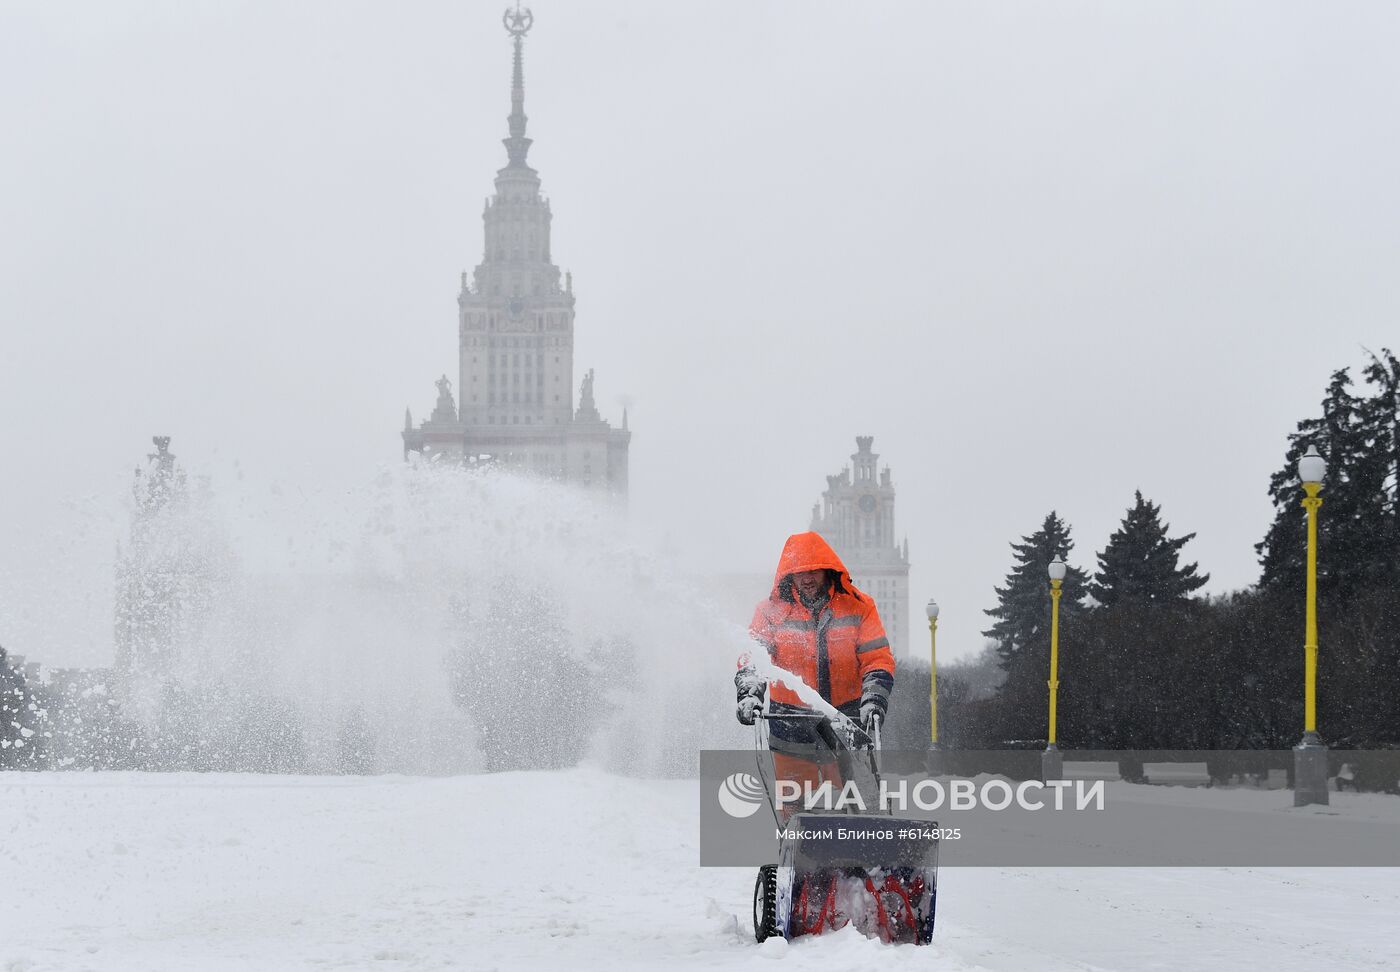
[765, 903]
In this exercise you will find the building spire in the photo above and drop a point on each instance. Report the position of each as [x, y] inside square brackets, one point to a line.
[518, 23]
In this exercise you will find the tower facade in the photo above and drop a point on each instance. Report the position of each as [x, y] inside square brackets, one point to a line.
[856, 516]
[515, 326]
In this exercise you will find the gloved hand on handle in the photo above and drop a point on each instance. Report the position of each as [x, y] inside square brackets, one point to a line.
[870, 708]
[751, 689]
[748, 708]
[874, 697]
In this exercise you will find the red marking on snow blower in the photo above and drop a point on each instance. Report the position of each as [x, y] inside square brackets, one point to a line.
[906, 910]
[826, 915]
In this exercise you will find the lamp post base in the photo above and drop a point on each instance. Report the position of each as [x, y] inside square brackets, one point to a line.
[1310, 771]
[1052, 764]
[935, 762]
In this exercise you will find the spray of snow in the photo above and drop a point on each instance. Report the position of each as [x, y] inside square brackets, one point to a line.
[432, 620]
[810, 697]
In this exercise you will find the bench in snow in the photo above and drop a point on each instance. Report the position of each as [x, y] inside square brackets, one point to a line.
[1176, 774]
[1090, 770]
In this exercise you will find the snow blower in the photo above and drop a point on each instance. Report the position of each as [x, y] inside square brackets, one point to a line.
[839, 867]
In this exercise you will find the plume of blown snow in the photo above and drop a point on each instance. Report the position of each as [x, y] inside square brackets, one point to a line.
[434, 619]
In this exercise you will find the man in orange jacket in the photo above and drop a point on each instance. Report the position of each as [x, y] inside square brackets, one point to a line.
[816, 625]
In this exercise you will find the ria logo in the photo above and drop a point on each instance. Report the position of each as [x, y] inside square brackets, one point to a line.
[740, 795]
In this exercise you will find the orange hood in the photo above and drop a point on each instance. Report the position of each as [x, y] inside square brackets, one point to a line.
[808, 551]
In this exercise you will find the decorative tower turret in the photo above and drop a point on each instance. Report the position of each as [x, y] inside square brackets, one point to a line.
[856, 516]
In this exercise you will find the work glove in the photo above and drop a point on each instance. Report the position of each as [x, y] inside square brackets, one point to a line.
[869, 709]
[750, 693]
[747, 709]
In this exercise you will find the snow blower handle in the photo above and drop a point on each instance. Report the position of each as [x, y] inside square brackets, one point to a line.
[872, 735]
[869, 733]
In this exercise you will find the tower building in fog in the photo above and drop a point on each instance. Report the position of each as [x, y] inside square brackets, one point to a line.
[856, 516]
[514, 401]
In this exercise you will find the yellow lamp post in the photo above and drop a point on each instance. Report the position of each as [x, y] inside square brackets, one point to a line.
[932, 610]
[1051, 761]
[1310, 756]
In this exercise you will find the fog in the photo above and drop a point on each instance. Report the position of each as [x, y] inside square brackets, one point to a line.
[1045, 254]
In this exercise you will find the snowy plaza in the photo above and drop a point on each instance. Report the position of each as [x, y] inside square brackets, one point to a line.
[143, 873]
[713, 484]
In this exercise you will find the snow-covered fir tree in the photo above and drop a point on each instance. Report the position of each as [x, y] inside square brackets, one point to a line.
[1359, 523]
[1141, 563]
[1022, 628]
[1023, 603]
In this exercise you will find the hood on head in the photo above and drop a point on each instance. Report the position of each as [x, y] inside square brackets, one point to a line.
[808, 551]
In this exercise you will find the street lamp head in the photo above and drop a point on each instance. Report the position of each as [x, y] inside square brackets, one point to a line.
[1312, 467]
[932, 609]
[1057, 569]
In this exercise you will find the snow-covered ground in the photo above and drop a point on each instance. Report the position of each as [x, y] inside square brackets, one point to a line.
[569, 870]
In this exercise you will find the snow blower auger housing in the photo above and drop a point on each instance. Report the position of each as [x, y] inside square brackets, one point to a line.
[873, 871]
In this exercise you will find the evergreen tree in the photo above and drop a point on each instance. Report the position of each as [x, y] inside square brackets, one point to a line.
[1142, 564]
[1358, 536]
[1358, 557]
[1380, 416]
[1023, 605]
[1138, 675]
[1022, 628]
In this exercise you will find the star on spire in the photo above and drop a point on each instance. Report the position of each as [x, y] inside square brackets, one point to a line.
[518, 23]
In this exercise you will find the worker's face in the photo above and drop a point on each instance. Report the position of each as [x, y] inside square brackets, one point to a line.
[809, 583]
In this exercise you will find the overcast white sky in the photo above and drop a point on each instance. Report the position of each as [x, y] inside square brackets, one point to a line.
[1047, 253]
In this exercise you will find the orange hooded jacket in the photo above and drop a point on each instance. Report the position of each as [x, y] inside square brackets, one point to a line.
[841, 651]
